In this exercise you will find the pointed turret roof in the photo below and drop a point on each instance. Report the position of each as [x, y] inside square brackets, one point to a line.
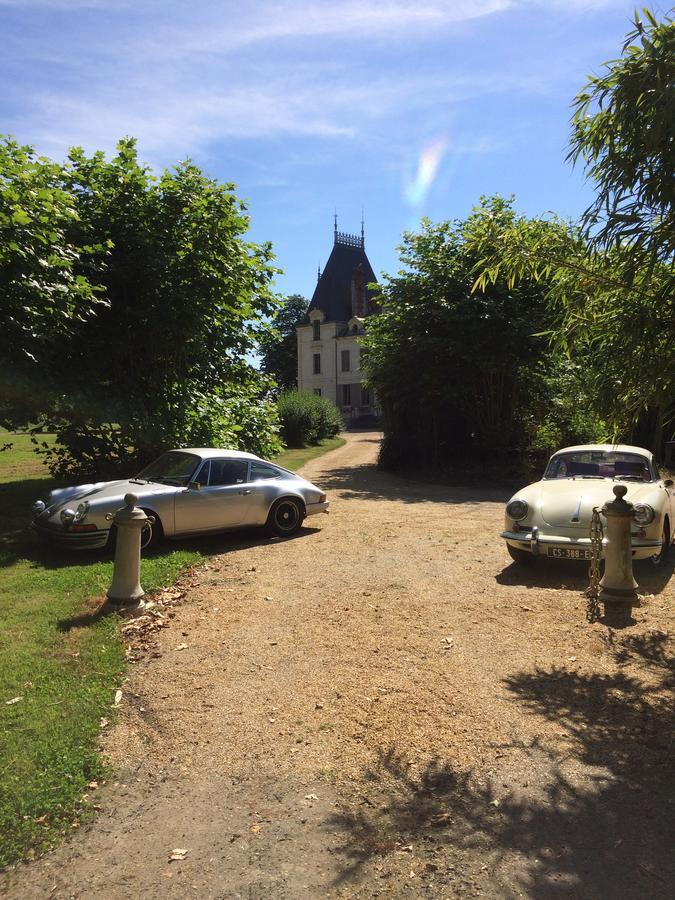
[333, 293]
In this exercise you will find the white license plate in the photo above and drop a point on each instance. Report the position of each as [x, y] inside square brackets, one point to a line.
[568, 553]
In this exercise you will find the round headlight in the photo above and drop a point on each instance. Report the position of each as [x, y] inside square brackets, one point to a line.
[67, 516]
[517, 509]
[82, 511]
[39, 506]
[644, 514]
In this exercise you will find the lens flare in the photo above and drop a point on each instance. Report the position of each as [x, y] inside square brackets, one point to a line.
[417, 189]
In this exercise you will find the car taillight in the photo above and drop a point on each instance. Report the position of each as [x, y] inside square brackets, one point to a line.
[89, 527]
[322, 498]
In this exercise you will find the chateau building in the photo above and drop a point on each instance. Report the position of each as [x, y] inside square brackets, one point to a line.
[329, 351]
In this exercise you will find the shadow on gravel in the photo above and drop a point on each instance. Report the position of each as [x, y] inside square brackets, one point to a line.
[602, 832]
[573, 576]
[553, 574]
[24, 544]
[366, 482]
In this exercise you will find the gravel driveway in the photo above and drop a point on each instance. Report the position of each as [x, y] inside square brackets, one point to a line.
[385, 706]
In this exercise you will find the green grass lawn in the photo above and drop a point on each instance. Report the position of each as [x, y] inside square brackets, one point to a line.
[60, 663]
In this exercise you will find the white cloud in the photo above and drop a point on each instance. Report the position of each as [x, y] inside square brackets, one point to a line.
[65, 5]
[359, 19]
[184, 75]
[179, 117]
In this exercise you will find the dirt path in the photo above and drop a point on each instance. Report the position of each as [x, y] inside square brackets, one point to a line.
[383, 705]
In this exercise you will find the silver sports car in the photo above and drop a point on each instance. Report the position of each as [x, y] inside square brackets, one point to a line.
[188, 492]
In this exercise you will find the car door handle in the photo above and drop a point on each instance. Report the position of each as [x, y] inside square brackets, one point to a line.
[245, 491]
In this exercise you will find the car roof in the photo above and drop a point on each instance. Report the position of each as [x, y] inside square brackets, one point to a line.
[616, 448]
[220, 453]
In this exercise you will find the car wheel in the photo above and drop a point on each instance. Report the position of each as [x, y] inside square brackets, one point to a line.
[285, 517]
[152, 535]
[662, 556]
[522, 557]
[112, 540]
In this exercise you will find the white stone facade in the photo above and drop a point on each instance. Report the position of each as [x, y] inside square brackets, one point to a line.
[337, 356]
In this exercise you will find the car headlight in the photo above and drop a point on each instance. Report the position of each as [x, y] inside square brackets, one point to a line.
[67, 516]
[643, 514]
[82, 511]
[39, 506]
[517, 509]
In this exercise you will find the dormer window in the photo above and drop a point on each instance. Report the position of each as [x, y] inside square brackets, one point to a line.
[316, 325]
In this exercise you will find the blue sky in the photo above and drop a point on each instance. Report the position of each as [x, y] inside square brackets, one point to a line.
[401, 108]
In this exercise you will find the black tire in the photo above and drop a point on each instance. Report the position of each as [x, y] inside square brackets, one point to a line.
[112, 541]
[522, 557]
[153, 535]
[662, 557]
[285, 517]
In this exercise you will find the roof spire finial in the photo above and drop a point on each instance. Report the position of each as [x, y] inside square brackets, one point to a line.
[318, 274]
[335, 227]
[363, 234]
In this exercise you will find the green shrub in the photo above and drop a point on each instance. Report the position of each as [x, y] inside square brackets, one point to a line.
[307, 419]
[234, 418]
[547, 439]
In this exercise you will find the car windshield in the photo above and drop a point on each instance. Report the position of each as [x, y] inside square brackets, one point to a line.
[599, 464]
[171, 468]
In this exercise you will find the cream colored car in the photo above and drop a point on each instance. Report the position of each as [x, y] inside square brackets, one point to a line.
[551, 518]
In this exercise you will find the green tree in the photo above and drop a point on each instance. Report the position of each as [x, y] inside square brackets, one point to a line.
[44, 293]
[164, 363]
[623, 131]
[612, 279]
[605, 315]
[279, 348]
[457, 372]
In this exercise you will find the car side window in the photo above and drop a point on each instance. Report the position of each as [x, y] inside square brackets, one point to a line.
[202, 476]
[227, 471]
[261, 472]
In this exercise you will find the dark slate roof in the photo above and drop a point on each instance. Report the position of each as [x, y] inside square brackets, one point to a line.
[333, 293]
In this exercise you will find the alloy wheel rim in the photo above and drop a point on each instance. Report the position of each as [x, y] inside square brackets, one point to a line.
[287, 516]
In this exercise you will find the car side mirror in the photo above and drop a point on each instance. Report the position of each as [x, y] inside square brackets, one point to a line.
[194, 486]
[668, 482]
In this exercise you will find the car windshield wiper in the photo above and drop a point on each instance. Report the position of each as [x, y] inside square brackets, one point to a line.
[628, 478]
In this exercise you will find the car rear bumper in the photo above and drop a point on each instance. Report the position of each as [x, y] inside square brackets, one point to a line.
[311, 509]
[572, 548]
[82, 540]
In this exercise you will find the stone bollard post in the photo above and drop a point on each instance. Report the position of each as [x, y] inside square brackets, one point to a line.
[618, 586]
[125, 590]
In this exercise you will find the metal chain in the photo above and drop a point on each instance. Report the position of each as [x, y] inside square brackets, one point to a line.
[593, 590]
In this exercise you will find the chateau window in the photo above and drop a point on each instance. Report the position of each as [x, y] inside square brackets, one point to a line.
[345, 360]
[317, 363]
[317, 391]
[346, 395]
[365, 397]
[317, 330]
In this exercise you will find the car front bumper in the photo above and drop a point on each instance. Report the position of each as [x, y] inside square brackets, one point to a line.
[571, 547]
[71, 540]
